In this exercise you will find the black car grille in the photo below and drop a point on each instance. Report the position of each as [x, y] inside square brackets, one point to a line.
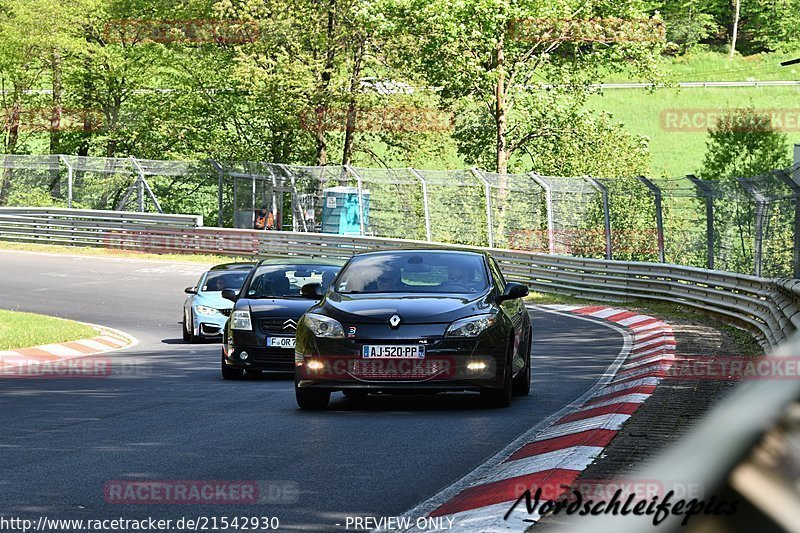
[282, 359]
[225, 312]
[277, 326]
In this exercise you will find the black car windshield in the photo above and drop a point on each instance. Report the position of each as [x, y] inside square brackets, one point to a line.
[285, 281]
[219, 281]
[414, 272]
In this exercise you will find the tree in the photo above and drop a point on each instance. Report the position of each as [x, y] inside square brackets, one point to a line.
[32, 34]
[737, 6]
[743, 144]
[494, 53]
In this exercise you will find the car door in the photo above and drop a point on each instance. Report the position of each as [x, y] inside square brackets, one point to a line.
[515, 311]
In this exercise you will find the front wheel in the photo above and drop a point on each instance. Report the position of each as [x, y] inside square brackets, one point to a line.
[312, 399]
[188, 330]
[522, 383]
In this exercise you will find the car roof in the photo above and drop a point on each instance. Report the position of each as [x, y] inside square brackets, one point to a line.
[427, 250]
[303, 261]
[232, 266]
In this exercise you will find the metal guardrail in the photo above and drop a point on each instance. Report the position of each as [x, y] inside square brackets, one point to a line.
[770, 309]
[709, 454]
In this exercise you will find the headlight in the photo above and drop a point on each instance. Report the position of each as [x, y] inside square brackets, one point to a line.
[204, 310]
[471, 326]
[241, 320]
[322, 326]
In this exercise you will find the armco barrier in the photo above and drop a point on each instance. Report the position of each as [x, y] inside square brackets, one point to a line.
[770, 309]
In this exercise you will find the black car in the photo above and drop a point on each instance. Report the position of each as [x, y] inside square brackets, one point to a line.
[260, 333]
[415, 320]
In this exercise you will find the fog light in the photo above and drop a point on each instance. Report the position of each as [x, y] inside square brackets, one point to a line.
[314, 365]
[477, 366]
[243, 356]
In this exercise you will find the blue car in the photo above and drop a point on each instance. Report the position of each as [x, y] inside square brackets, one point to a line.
[205, 310]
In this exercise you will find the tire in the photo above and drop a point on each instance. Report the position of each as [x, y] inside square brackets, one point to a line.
[312, 399]
[229, 372]
[188, 331]
[501, 397]
[522, 383]
[355, 394]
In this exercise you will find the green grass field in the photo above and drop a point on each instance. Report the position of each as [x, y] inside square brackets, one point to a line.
[703, 65]
[23, 330]
[681, 152]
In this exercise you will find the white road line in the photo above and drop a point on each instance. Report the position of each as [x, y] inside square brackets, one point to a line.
[113, 340]
[633, 320]
[656, 357]
[605, 313]
[628, 398]
[629, 385]
[94, 345]
[59, 350]
[607, 421]
[572, 458]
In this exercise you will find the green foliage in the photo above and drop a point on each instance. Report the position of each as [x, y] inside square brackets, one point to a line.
[744, 143]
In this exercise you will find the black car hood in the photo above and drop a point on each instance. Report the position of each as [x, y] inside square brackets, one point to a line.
[411, 308]
[277, 307]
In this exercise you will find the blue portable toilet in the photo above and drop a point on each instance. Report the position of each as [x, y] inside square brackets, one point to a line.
[340, 210]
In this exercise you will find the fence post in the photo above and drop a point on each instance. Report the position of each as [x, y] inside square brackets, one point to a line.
[548, 198]
[351, 170]
[295, 198]
[489, 223]
[708, 195]
[659, 215]
[144, 186]
[762, 204]
[786, 178]
[425, 205]
[606, 213]
[70, 179]
[220, 184]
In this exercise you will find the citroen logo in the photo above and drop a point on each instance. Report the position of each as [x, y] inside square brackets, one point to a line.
[394, 321]
[290, 324]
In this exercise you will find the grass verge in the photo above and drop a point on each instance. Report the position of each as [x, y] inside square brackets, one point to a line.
[121, 254]
[24, 330]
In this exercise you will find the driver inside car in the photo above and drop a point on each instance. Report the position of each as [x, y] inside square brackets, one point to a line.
[389, 281]
[461, 275]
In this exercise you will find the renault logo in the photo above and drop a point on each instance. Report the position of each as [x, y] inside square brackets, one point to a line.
[394, 321]
[290, 324]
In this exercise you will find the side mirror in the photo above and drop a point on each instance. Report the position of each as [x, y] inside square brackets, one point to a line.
[513, 291]
[312, 290]
[190, 290]
[230, 294]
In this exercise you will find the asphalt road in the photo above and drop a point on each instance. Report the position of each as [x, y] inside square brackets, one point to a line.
[168, 415]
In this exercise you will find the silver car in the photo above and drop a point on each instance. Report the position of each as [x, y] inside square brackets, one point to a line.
[205, 311]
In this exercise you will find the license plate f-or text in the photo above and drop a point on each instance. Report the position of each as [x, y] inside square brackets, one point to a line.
[400, 352]
[280, 342]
